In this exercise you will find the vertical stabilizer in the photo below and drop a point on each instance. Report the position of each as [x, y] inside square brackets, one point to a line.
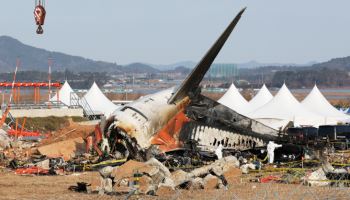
[193, 80]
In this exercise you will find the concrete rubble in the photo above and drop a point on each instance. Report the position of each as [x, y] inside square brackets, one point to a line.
[155, 178]
[211, 182]
[233, 175]
[197, 183]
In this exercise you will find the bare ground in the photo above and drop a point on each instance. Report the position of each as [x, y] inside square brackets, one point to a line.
[56, 187]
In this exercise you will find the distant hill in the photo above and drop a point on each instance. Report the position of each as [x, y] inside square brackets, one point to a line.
[139, 68]
[335, 63]
[245, 65]
[255, 64]
[33, 58]
[333, 73]
[36, 59]
[180, 69]
[187, 64]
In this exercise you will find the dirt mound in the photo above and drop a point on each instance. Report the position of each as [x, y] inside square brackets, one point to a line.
[71, 131]
[66, 149]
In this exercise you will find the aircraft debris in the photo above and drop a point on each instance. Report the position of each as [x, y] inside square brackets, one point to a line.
[317, 178]
[245, 168]
[169, 119]
[81, 187]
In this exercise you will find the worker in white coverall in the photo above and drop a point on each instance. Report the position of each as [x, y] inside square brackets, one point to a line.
[218, 151]
[271, 146]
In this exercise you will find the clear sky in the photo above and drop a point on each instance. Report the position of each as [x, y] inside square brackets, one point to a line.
[168, 31]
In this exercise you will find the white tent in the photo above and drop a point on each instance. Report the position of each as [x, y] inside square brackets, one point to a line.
[260, 99]
[234, 100]
[344, 110]
[317, 103]
[98, 102]
[284, 108]
[65, 94]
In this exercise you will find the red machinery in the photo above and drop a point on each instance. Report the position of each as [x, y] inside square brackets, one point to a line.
[39, 15]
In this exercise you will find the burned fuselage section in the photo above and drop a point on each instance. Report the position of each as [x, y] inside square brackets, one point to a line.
[151, 122]
[134, 125]
[171, 118]
[213, 124]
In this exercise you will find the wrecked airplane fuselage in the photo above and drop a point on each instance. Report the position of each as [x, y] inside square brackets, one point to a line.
[141, 120]
[164, 119]
[214, 124]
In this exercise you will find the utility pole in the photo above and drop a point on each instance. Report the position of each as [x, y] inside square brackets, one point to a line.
[49, 77]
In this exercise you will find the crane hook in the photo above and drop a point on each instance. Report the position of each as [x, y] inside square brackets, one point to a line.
[39, 16]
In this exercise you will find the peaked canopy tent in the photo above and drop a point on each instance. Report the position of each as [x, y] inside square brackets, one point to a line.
[98, 102]
[260, 99]
[317, 103]
[284, 108]
[65, 95]
[344, 110]
[234, 100]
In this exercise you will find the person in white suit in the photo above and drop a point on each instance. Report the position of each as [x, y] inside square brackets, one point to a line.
[218, 151]
[271, 146]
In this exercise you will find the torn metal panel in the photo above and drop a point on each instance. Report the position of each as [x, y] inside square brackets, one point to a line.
[209, 138]
[203, 109]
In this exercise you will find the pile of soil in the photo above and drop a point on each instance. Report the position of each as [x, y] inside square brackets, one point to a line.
[71, 131]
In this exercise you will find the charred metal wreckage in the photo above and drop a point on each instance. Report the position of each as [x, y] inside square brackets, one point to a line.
[169, 119]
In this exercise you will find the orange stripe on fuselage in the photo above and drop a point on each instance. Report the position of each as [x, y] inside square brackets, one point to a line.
[168, 137]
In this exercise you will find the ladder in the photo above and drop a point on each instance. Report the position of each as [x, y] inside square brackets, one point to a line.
[81, 102]
[12, 119]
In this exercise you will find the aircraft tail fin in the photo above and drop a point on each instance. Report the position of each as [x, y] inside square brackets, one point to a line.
[193, 80]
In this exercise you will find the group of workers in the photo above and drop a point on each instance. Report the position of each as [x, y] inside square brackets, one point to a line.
[271, 146]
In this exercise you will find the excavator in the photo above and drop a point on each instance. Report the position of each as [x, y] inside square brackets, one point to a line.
[177, 117]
